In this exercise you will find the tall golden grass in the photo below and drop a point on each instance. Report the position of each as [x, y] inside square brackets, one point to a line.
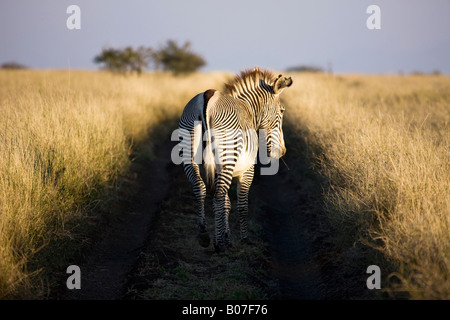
[383, 143]
[65, 138]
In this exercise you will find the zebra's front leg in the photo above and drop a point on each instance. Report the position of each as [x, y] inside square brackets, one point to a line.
[193, 174]
[244, 183]
[221, 208]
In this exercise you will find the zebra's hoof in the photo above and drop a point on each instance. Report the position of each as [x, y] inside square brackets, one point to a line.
[203, 239]
[247, 241]
[219, 248]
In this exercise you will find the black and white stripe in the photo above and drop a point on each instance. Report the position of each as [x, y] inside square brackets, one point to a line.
[231, 121]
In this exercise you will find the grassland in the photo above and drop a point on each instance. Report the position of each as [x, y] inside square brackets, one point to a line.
[381, 142]
[65, 140]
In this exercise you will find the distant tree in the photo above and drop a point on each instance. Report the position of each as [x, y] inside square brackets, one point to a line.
[304, 68]
[143, 59]
[179, 60]
[125, 60]
[436, 72]
[12, 65]
[111, 59]
[421, 73]
[136, 60]
[170, 57]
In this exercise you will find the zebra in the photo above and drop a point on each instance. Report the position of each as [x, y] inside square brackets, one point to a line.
[231, 122]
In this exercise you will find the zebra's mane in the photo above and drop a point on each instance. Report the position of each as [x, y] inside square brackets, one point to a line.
[250, 80]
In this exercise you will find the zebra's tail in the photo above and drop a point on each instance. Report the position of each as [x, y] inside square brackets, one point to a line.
[210, 165]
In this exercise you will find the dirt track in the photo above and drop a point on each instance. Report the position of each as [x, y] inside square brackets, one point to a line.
[105, 271]
[288, 206]
[288, 223]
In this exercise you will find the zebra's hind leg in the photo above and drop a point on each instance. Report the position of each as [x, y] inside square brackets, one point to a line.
[220, 205]
[193, 174]
[227, 224]
[244, 183]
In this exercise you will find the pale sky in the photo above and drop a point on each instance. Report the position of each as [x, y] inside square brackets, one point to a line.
[235, 34]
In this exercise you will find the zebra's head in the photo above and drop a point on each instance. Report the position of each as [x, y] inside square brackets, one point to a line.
[261, 90]
[273, 120]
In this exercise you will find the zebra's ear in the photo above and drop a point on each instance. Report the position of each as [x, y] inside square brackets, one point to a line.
[281, 83]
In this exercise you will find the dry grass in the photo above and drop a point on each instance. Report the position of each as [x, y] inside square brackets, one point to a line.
[65, 138]
[383, 143]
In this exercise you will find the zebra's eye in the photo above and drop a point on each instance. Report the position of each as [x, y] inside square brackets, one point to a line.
[282, 108]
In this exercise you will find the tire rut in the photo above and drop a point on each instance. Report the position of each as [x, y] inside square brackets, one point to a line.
[104, 272]
[288, 214]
